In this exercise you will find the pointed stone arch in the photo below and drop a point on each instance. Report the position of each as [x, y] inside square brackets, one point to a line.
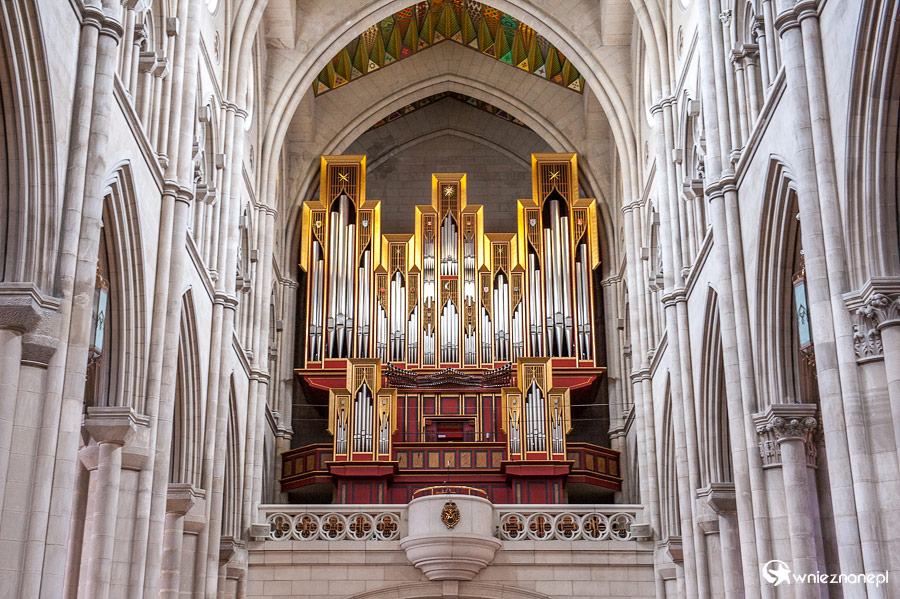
[29, 210]
[873, 147]
[232, 485]
[671, 511]
[784, 376]
[119, 374]
[186, 461]
[715, 441]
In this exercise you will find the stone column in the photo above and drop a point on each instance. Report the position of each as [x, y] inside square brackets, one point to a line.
[744, 121]
[883, 310]
[849, 460]
[751, 62]
[110, 428]
[181, 498]
[791, 427]
[759, 31]
[727, 253]
[76, 281]
[720, 499]
[20, 311]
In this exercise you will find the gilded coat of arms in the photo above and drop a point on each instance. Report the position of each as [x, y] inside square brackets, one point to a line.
[450, 514]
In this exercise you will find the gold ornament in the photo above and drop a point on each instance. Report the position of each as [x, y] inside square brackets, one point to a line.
[450, 514]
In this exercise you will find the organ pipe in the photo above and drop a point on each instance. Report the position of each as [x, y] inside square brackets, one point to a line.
[583, 302]
[398, 317]
[456, 296]
[341, 260]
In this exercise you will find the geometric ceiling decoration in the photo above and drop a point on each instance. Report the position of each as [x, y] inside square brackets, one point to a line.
[472, 24]
[474, 102]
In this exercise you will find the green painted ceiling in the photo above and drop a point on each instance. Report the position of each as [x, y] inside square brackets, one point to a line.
[465, 22]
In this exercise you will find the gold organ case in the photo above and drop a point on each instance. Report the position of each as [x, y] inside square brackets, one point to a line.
[451, 341]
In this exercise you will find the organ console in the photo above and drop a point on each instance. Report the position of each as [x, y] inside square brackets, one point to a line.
[450, 355]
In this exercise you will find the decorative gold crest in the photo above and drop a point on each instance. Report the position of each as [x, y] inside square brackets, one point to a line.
[450, 514]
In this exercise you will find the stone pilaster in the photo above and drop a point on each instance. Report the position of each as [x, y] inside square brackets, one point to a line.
[720, 500]
[792, 427]
[110, 428]
[877, 335]
[179, 501]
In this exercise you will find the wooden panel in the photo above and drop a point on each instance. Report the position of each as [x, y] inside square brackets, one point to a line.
[450, 404]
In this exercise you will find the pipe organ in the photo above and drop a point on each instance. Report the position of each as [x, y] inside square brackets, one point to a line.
[451, 342]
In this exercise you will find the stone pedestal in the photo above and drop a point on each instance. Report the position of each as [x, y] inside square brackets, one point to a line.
[450, 536]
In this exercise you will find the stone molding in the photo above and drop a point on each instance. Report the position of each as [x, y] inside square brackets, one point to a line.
[233, 555]
[119, 425]
[181, 497]
[113, 424]
[673, 549]
[786, 422]
[23, 306]
[719, 497]
[195, 518]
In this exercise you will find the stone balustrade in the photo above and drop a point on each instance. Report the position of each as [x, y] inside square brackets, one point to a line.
[512, 522]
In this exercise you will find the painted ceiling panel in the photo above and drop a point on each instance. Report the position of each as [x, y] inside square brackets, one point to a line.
[472, 24]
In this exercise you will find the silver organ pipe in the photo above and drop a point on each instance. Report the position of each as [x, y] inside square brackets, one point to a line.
[501, 317]
[518, 343]
[565, 262]
[449, 250]
[582, 298]
[363, 314]
[558, 297]
[362, 420]
[469, 348]
[341, 433]
[485, 336]
[381, 339]
[358, 423]
[342, 259]
[536, 330]
[384, 435]
[557, 431]
[471, 342]
[514, 432]
[413, 335]
[449, 333]
[316, 280]
[397, 299]
[535, 425]
[428, 298]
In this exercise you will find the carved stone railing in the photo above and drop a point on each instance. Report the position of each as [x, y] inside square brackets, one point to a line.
[333, 522]
[566, 522]
[512, 522]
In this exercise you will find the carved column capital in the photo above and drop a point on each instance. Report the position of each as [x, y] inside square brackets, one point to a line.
[782, 423]
[867, 342]
[883, 310]
[877, 301]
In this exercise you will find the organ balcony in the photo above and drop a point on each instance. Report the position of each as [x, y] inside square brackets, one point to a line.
[451, 356]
